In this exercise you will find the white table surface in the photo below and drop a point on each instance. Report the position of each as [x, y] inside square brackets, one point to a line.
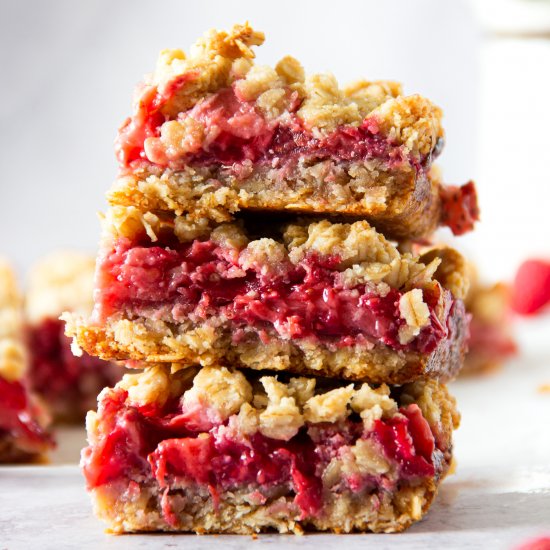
[498, 497]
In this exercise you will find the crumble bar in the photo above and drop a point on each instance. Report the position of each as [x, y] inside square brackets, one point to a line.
[214, 450]
[322, 298]
[212, 133]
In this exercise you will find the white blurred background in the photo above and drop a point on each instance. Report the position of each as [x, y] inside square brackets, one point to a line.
[68, 70]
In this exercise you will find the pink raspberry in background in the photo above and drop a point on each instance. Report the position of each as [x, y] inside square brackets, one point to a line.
[542, 543]
[531, 288]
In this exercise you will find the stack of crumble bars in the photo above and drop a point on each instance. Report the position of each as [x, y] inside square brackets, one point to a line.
[260, 266]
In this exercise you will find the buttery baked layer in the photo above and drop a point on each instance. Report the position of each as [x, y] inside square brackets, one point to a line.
[217, 450]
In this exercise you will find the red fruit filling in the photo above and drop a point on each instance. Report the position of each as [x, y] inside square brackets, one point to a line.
[160, 446]
[531, 289]
[19, 418]
[459, 207]
[234, 131]
[199, 280]
[69, 384]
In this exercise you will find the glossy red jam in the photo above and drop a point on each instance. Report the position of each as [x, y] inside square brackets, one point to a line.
[69, 384]
[161, 446]
[459, 207]
[237, 132]
[19, 418]
[201, 279]
[224, 464]
[408, 441]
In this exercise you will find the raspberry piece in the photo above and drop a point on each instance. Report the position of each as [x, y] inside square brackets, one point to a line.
[459, 209]
[399, 444]
[531, 290]
[421, 433]
[188, 457]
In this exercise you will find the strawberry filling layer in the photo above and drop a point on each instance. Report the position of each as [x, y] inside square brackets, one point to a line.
[68, 383]
[19, 418]
[160, 446]
[225, 129]
[201, 280]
